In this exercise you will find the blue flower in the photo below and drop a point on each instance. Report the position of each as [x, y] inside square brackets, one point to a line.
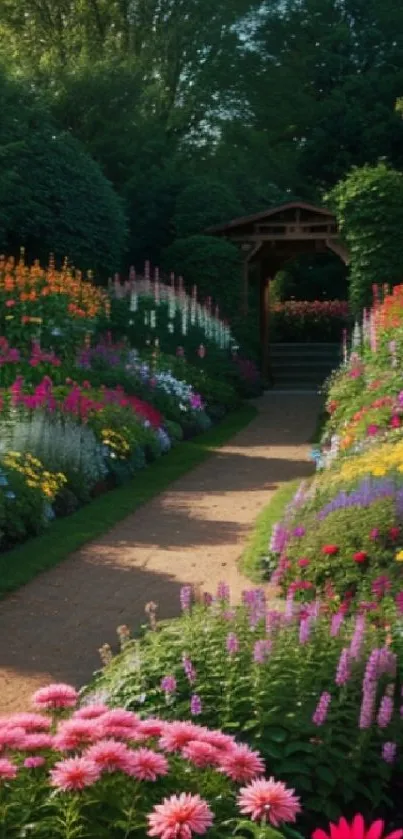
[10, 495]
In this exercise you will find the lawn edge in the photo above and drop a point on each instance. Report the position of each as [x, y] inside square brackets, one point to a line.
[24, 562]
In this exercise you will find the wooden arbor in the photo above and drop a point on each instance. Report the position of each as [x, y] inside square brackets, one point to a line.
[271, 239]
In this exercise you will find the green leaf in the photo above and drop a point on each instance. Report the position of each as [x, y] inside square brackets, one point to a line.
[277, 734]
[298, 746]
[326, 774]
[294, 766]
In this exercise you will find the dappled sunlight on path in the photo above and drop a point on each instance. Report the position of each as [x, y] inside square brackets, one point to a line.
[192, 533]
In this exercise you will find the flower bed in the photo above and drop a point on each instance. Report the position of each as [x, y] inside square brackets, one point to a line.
[304, 321]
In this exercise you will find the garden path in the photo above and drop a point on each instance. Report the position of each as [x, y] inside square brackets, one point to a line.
[52, 628]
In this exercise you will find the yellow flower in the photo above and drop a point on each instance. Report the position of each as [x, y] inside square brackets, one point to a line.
[399, 556]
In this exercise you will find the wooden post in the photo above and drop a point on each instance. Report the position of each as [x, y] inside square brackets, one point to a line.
[264, 325]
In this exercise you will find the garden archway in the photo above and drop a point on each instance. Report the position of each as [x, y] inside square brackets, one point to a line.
[270, 239]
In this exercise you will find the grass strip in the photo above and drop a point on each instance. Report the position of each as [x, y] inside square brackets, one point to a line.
[19, 565]
[257, 547]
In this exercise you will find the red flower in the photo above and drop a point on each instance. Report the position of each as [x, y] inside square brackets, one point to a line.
[357, 830]
[330, 550]
[360, 556]
[394, 532]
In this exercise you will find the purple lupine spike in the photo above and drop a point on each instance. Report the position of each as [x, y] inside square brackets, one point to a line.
[343, 668]
[389, 751]
[195, 705]
[336, 623]
[322, 709]
[186, 594]
[358, 637]
[304, 630]
[385, 712]
[232, 643]
[261, 651]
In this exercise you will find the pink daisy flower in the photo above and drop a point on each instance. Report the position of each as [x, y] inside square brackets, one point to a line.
[90, 712]
[74, 733]
[217, 739]
[34, 742]
[74, 774]
[242, 764]
[11, 737]
[270, 800]
[177, 734]
[151, 727]
[357, 830]
[30, 722]
[55, 696]
[180, 816]
[34, 762]
[201, 754]
[147, 765]
[109, 755]
[119, 723]
[8, 770]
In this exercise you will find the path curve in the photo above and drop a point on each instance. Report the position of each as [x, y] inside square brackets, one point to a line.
[52, 628]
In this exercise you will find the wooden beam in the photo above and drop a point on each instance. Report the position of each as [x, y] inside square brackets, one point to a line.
[339, 249]
[245, 285]
[264, 325]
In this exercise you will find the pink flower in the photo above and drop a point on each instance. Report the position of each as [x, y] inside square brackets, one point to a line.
[109, 755]
[180, 816]
[218, 739]
[33, 762]
[34, 742]
[270, 800]
[118, 723]
[31, 722]
[8, 770]
[201, 754]
[242, 764]
[147, 765]
[176, 735]
[356, 830]
[74, 773]
[11, 737]
[303, 562]
[74, 733]
[90, 712]
[150, 728]
[55, 696]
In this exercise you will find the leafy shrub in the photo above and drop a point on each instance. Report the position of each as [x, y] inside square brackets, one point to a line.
[252, 668]
[23, 510]
[98, 773]
[202, 204]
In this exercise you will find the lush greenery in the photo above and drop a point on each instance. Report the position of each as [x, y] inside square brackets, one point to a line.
[369, 209]
[300, 321]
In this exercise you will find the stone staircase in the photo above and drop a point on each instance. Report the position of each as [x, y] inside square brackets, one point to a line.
[302, 366]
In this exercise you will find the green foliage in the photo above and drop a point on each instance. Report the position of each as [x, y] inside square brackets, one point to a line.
[214, 265]
[53, 196]
[256, 552]
[369, 208]
[335, 767]
[202, 204]
[21, 508]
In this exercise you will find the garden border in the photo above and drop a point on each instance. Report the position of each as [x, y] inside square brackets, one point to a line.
[257, 547]
[66, 535]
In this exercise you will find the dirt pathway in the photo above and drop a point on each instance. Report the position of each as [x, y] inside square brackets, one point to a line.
[193, 533]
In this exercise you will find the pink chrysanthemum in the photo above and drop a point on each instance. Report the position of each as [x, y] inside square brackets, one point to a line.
[177, 734]
[30, 722]
[35, 742]
[357, 830]
[146, 765]
[55, 696]
[34, 762]
[201, 754]
[11, 737]
[118, 723]
[180, 816]
[8, 770]
[151, 728]
[217, 739]
[109, 755]
[74, 774]
[90, 712]
[242, 764]
[74, 733]
[270, 800]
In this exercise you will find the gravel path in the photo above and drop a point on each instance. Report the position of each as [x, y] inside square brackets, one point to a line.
[52, 628]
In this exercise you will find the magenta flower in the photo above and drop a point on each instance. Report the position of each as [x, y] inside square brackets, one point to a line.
[195, 705]
[322, 708]
[232, 643]
[168, 684]
[389, 752]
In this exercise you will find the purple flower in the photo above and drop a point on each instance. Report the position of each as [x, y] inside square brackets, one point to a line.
[369, 690]
[186, 598]
[232, 643]
[389, 752]
[381, 585]
[299, 531]
[261, 651]
[223, 592]
[207, 598]
[343, 669]
[289, 607]
[358, 637]
[304, 630]
[336, 623]
[168, 684]
[385, 712]
[322, 708]
[195, 705]
[189, 669]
